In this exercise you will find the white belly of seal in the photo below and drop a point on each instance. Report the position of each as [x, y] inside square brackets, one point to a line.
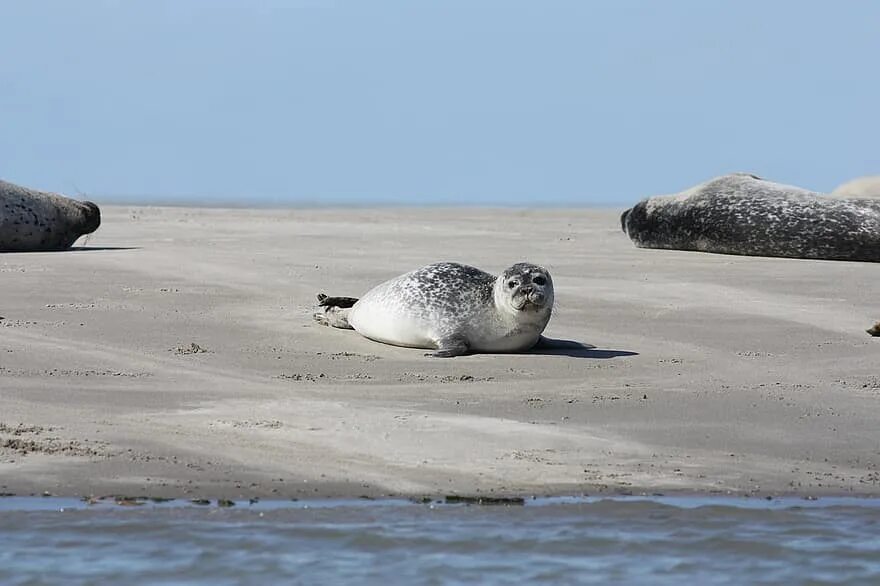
[385, 326]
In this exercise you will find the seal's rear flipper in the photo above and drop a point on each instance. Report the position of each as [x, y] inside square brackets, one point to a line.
[335, 317]
[342, 302]
[335, 312]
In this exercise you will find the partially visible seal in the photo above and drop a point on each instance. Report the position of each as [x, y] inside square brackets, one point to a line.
[875, 331]
[32, 220]
[861, 188]
[451, 308]
[744, 214]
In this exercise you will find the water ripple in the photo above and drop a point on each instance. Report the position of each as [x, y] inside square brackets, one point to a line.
[596, 542]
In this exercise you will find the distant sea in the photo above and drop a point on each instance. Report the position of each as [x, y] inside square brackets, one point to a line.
[659, 541]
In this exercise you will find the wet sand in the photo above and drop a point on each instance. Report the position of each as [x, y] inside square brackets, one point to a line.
[175, 355]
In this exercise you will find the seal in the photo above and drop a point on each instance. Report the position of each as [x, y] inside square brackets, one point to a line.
[875, 330]
[452, 308]
[744, 214]
[860, 188]
[32, 220]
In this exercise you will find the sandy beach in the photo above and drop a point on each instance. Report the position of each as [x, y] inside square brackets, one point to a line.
[174, 354]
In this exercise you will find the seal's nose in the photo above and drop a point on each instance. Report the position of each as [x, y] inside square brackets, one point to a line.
[533, 295]
[623, 218]
[92, 214]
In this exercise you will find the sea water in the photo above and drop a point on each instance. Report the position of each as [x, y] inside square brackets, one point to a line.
[676, 541]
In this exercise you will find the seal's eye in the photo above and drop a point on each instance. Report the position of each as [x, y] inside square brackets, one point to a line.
[511, 284]
[539, 280]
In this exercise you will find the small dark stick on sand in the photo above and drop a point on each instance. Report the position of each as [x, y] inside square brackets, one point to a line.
[875, 331]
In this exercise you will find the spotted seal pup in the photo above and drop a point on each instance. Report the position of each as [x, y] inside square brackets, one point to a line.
[32, 220]
[451, 308]
[744, 214]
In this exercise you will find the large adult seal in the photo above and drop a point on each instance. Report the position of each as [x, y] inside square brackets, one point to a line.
[744, 214]
[451, 308]
[861, 188]
[32, 220]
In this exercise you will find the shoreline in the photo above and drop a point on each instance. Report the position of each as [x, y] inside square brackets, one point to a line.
[174, 355]
[111, 503]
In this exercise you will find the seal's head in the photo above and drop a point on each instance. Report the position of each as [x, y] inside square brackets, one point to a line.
[623, 217]
[524, 288]
[636, 220]
[91, 215]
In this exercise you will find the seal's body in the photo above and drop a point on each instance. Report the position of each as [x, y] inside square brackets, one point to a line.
[744, 214]
[32, 220]
[452, 308]
[861, 188]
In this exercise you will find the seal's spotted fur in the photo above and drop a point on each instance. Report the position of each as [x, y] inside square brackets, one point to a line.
[33, 220]
[744, 214]
[450, 307]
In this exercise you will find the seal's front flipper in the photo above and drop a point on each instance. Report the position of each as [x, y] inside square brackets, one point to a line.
[451, 347]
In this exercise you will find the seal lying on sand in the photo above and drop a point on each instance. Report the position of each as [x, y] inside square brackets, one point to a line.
[875, 331]
[743, 214]
[33, 220]
[452, 308]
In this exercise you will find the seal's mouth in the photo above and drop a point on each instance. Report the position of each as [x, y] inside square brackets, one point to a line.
[530, 301]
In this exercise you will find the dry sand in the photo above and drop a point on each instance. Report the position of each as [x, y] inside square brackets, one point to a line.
[188, 365]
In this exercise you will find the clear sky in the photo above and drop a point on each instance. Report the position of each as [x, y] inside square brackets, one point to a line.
[445, 101]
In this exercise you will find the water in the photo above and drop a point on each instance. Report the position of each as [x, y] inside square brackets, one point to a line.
[554, 541]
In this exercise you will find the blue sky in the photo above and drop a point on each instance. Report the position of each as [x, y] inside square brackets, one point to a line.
[433, 102]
